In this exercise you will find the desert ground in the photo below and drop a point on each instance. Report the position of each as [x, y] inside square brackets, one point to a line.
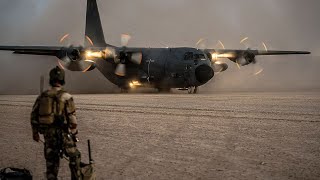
[179, 136]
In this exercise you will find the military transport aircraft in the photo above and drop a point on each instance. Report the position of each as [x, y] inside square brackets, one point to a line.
[185, 68]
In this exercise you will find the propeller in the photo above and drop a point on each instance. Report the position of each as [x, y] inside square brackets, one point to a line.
[124, 56]
[250, 57]
[220, 44]
[125, 38]
[217, 66]
[75, 58]
[201, 44]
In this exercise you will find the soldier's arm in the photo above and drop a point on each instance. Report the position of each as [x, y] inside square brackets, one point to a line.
[70, 112]
[34, 120]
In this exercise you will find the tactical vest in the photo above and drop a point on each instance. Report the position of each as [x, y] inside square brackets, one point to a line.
[51, 108]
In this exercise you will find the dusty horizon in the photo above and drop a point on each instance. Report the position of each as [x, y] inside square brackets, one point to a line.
[285, 25]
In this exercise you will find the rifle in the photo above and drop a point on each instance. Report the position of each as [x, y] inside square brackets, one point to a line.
[89, 151]
[91, 161]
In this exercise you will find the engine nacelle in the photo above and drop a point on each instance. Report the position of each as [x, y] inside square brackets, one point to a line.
[218, 66]
[249, 57]
[244, 58]
[123, 57]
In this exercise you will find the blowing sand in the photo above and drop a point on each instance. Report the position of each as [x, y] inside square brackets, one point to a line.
[180, 136]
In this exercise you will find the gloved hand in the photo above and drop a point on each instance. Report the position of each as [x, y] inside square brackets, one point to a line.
[36, 137]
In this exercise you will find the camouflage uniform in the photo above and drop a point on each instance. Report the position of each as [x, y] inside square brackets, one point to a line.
[58, 140]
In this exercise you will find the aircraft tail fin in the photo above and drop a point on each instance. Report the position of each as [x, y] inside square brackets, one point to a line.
[94, 33]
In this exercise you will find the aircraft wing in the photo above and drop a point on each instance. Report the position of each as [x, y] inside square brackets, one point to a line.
[255, 52]
[71, 56]
[248, 55]
[281, 52]
[35, 50]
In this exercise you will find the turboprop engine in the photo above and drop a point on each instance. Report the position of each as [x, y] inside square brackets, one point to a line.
[76, 59]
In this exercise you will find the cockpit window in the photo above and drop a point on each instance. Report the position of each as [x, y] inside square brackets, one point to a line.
[191, 56]
[188, 56]
[199, 57]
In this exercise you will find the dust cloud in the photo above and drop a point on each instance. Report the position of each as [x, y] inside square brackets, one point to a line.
[282, 25]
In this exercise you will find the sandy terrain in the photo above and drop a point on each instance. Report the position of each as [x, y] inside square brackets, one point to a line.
[180, 136]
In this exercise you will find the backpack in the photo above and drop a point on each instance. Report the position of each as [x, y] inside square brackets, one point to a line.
[50, 107]
[10, 173]
[87, 171]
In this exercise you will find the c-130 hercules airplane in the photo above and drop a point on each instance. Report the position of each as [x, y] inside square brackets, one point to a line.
[185, 68]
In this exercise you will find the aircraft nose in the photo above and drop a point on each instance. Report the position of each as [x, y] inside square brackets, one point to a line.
[204, 73]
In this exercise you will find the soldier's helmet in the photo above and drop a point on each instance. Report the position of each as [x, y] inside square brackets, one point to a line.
[56, 76]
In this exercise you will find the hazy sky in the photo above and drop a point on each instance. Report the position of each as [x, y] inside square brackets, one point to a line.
[282, 25]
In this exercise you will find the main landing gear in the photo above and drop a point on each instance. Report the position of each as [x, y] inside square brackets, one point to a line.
[193, 90]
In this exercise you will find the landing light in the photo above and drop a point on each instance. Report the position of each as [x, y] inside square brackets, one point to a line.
[134, 84]
[91, 54]
[108, 52]
[216, 56]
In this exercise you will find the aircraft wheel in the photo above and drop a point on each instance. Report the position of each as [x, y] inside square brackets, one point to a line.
[195, 91]
[191, 89]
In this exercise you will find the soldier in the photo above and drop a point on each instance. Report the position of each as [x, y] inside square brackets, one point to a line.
[53, 115]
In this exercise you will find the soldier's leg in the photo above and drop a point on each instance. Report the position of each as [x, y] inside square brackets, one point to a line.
[51, 154]
[74, 155]
[74, 164]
